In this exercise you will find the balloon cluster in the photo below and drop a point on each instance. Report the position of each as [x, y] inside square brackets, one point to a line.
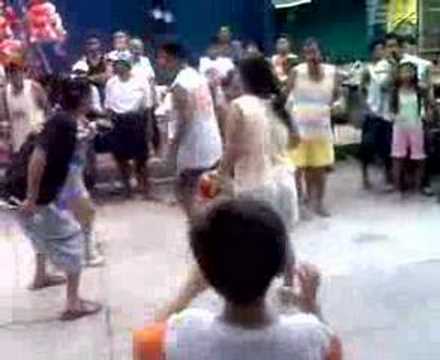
[44, 22]
[10, 47]
[41, 23]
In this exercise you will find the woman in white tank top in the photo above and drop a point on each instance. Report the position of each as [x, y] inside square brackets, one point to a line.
[25, 103]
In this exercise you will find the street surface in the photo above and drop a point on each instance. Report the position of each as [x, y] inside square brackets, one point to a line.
[379, 256]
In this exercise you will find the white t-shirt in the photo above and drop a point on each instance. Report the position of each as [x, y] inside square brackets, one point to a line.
[222, 66]
[145, 73]
[143, 68]
[126, 96]
[201, 147]
[200, 335]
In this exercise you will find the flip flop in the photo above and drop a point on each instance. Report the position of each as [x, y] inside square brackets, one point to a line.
[88, 308]
[51, 281]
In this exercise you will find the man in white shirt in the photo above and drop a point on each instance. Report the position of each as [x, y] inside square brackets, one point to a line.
[198, 144]
[126, 100]
[142, 68]
[376, 128]
[396, 54]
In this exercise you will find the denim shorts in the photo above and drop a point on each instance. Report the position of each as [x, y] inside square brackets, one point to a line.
[56, 234]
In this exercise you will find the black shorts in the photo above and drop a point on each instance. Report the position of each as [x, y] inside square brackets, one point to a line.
[377, 136]
[130, 136]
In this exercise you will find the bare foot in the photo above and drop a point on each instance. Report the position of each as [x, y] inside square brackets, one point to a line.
[82, 309]
[47, 282]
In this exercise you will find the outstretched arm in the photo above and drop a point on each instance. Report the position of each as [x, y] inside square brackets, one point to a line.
[194, 286]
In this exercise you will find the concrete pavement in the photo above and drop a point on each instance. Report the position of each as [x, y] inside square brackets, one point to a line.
[380, 258]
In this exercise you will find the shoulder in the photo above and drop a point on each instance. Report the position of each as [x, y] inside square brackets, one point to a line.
[243, 102]
[383, 64]
[190, 319]
[310, 326]
[81, 65]
[112, 81]
[300, 67]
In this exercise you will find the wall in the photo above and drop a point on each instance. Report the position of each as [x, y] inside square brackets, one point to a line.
[199, 22]
[340, 25]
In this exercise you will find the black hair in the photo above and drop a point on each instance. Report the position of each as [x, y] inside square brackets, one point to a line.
[73, 93]
[421, 95]
[240, 246]
[309, 42]
[283, 36]
[409, 39]
[393, 36]
[175, 50]
[255, 44]
[259, 79]
[376, 43]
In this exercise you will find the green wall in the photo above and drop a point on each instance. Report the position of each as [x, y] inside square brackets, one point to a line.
[340, 26]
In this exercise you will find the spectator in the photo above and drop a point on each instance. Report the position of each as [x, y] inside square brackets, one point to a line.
[198, 145]
[315, 87]
[121, 45]
[224, 42]
[376, 128]
[251, 239]
[142, 69]
[395, 56]
[25, 104]
[284, 59]
[126, 98]
[93, 63]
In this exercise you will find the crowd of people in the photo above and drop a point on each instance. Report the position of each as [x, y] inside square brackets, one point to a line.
[255, 132]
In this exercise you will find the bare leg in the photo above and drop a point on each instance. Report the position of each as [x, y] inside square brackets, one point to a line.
[289, 271]
[125, 172]
[320, 178]
[310, 186]
[418, 175]
[185, 193]
[77, 308]
[73, 300]
[365, 176]
[300, 184]
[397, 173]
[142, 177]
[42, 279]
[85, 213]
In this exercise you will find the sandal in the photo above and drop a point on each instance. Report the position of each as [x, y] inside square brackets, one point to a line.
[87, 308]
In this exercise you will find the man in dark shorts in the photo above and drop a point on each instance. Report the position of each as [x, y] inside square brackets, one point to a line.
[126, 100]
[197, 146]
[54, 233]
[377, 128]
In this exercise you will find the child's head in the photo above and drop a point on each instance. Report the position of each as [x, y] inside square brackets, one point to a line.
[240, 246]
[408, 74]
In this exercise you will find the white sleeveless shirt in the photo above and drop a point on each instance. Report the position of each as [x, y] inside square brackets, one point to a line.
[25, 114]
[200, 335]
[201, 147]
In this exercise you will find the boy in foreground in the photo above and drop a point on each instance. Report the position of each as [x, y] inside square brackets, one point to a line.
[240, 247]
